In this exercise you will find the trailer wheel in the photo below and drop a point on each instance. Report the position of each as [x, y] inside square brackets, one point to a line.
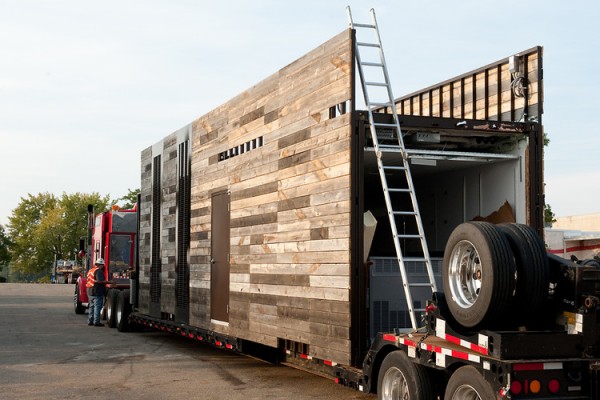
[532, 268]
[478, 273]
[79, 308]
[111, 304]
[467, 383]
[123, 310]
[400, 378]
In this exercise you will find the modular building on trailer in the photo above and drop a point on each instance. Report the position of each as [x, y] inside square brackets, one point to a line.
[288, 218]
[252, 216]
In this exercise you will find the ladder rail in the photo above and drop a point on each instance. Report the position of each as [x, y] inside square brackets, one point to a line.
[371, 106]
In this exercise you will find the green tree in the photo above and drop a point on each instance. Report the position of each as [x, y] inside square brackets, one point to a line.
[23, 225]
[549, 216]
[44, 228]
[4, 247]
[129, 199]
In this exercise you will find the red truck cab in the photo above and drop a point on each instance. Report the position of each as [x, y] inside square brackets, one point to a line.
[112, 239]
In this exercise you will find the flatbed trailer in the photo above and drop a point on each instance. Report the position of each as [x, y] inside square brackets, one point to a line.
[558, 363]
[252, 232]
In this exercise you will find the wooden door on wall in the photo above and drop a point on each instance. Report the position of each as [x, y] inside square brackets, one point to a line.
[219, 276]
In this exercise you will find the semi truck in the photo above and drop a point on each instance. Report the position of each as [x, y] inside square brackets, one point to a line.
[112, 237]
[273, 221]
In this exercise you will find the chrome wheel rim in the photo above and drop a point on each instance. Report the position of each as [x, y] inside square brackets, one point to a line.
[465, 274]
[466, 392]
[394, 385]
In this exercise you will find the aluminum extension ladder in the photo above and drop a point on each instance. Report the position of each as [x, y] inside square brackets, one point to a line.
[405, 210]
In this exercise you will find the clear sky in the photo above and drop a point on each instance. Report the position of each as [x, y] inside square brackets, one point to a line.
[85, 86]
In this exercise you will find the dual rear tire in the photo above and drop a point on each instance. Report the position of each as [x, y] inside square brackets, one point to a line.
[118, 309]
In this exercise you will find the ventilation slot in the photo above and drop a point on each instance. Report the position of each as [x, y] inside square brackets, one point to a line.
[241, 149]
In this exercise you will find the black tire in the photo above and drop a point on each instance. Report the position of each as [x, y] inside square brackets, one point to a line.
[467, 383]
[122, 311]
[532, 269]
[111, 304]
[78, 305]
[400, 378]
[478, 274]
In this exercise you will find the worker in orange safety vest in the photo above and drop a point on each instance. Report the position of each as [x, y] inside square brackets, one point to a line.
[95, 290]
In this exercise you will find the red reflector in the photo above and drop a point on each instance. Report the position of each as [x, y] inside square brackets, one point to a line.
[528, 367]
[218, 343]
[337, 380]
[327, 362]
[554, 386]
[191, 335]
[516, 387]
[304, 356]
[389, 338]
[229, 346]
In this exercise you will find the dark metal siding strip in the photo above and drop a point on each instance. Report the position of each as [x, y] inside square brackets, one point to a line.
[182, 290]
[156, 262]
[499, 93]
[486, 103]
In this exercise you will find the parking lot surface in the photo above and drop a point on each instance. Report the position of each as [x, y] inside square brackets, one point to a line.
[49, 352]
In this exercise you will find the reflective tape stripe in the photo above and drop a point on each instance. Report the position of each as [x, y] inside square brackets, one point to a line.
[538, 366]
[481, 347]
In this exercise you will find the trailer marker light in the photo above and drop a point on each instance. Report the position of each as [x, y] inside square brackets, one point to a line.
[218, 343]
[337, 381]
[535, 386]
[229, 346]
[554, 386]
[516, 387]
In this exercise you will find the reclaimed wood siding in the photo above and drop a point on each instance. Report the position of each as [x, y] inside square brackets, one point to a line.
[485, 94]
[290, 207]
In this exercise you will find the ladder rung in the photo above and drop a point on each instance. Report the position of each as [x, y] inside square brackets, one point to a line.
[385, 125]
[371, 64]
[405, 213]
[376, 84]
[363, 26]
[400, 190]
[389, 146]
[409, 236]
[381, 104]
[419, 310]
[414, 259]
[367, 44]
[395, 168]
[424, 284]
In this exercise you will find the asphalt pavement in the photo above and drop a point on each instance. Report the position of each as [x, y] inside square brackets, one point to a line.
[49, 352]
